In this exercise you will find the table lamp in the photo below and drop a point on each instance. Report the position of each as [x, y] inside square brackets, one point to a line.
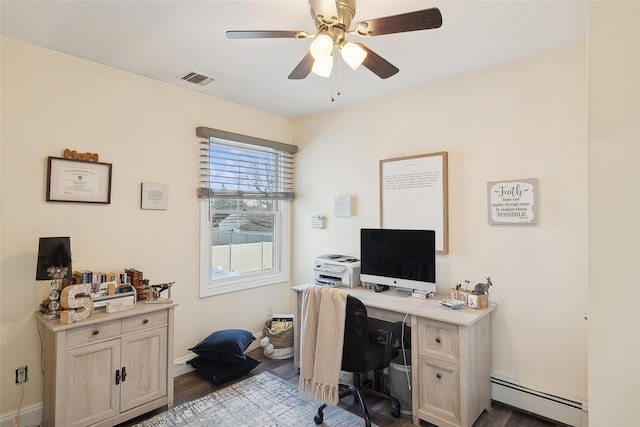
[54, 262]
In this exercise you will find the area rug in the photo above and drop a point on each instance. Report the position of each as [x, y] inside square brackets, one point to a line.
[262, 400]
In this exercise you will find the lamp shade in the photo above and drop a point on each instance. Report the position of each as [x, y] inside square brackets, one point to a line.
[53, 252]
[321, 47]
[322, 66]
[353, 54]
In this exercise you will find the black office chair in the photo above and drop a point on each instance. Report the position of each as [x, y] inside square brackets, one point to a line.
[363, 352]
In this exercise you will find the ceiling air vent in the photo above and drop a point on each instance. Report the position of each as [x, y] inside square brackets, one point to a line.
[197, 78]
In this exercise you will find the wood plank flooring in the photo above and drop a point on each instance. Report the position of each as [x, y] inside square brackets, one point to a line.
[192, 386]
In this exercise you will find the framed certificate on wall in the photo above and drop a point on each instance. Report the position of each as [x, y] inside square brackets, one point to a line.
[78, 181]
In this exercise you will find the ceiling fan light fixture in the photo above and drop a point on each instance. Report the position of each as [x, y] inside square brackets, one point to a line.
[321, 47]
[322, 66]
[353, 54]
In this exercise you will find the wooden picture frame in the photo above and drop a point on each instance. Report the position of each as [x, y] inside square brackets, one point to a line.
[414, 194]
[78, 181]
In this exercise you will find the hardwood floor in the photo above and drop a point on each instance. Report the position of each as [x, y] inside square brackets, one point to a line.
[192, 386]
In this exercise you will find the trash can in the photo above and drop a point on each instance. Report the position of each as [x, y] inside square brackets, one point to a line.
[400, 381]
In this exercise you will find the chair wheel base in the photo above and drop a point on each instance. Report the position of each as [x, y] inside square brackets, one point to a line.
[395, 409]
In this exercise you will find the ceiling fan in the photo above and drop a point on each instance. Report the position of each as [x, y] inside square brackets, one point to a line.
[333, 19]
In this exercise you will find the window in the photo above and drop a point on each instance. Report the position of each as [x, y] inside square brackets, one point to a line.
[246, 187]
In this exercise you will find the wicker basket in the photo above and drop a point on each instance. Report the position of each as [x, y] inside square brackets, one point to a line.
[282, 342]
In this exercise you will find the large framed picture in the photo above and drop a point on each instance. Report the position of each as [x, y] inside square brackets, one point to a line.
[414, 194]
[78, 181]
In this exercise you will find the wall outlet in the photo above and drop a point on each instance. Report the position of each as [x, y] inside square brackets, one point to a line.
[16, 420]
[21, 375]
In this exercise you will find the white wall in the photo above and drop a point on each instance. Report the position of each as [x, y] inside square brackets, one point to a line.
[146, 129]
[614, 213]
[521, 120]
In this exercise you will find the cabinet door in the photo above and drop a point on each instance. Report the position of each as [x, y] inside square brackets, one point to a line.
[144, 362]
[90, 393]
[439, 392]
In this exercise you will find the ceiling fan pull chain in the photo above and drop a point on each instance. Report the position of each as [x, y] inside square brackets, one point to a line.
[336, 80]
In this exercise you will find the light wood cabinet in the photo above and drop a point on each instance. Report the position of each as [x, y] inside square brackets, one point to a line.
[107, 368]
[454, 363]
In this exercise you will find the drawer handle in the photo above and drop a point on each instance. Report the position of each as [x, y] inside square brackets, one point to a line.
[96, 332]
[438, 340]
[438, 376]
[145, 321]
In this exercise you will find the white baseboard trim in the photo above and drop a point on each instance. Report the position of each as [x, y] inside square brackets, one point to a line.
[565, 409]
[29, 416]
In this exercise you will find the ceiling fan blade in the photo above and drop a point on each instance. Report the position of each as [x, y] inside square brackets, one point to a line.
[267, 34]
[303, 68]
[413, 21]
[377, 64]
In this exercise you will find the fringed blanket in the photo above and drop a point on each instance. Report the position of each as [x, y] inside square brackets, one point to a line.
[322, 334]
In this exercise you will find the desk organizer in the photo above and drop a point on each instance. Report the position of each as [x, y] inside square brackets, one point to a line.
[469, 298]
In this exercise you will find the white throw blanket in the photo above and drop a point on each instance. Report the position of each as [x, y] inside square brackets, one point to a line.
[322, 334]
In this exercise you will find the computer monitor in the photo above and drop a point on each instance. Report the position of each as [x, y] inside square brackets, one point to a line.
[398, 258]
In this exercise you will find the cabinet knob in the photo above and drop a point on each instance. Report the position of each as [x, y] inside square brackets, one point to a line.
[438, 376]
[145, 321]
[96, 332]
[438, 340]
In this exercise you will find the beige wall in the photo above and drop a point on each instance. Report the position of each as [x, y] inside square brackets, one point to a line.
[146, 129]
[614, 213]
[520, 120]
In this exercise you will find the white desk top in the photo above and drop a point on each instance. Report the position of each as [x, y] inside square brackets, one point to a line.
[428, 308]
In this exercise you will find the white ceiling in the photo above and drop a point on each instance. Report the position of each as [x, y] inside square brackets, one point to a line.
[166, 39]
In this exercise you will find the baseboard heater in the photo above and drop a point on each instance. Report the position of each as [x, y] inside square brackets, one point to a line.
[568, 411]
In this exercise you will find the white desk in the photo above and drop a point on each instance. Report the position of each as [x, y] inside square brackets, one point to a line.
[451, 357]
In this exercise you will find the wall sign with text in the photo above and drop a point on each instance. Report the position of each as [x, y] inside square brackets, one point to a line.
[513, 202]
[414, 194]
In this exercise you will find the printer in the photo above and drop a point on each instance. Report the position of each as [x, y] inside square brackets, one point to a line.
[337, 270]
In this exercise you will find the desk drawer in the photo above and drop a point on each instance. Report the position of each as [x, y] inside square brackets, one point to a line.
[92, 333]
[438, 340]
[439, 393]
[144, 321]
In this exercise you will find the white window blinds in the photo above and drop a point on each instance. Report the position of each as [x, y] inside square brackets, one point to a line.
[239, 166]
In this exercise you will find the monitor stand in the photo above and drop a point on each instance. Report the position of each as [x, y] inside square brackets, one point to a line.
[399, 292]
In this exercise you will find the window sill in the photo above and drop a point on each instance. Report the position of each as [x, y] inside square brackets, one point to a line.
[237, 284]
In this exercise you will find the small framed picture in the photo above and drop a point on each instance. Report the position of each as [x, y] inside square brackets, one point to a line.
[78, 181]
[154, 196]
[513, 202]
